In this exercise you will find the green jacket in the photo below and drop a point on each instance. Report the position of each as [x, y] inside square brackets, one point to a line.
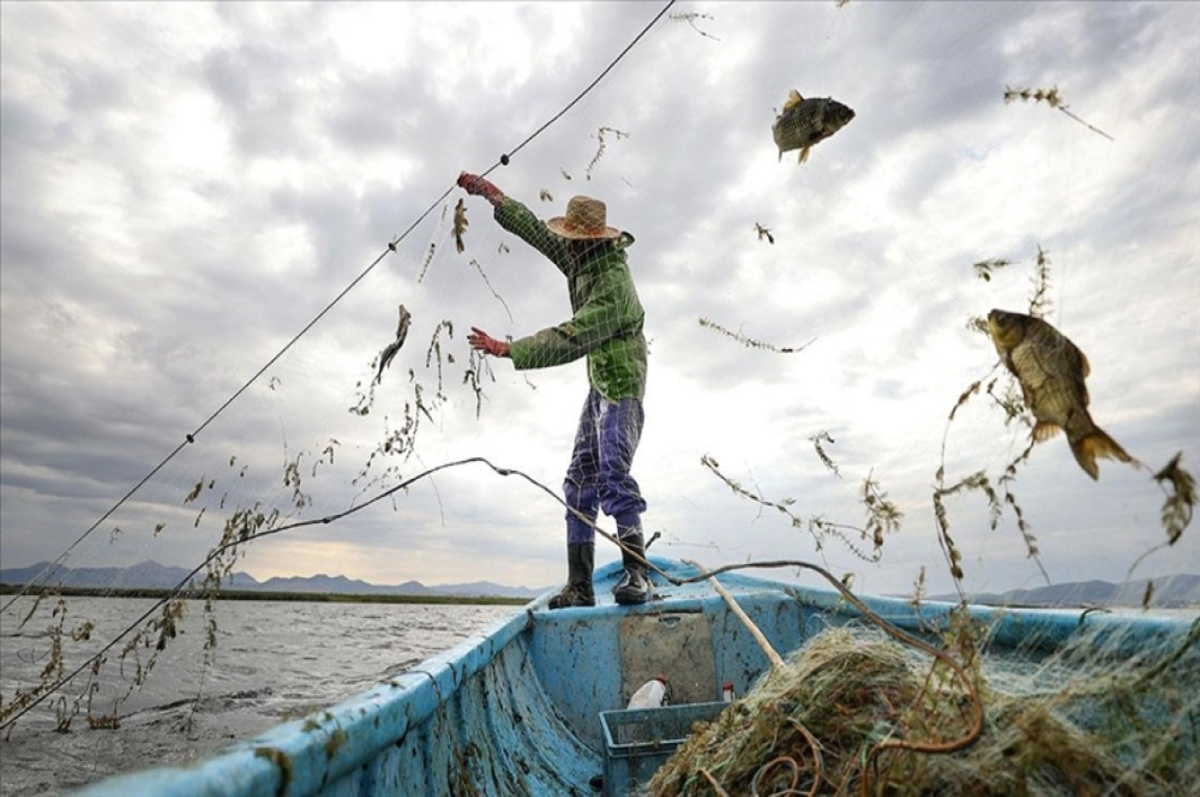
[607, 321]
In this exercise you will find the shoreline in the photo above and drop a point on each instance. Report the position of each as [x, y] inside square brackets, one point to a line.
[258, 595]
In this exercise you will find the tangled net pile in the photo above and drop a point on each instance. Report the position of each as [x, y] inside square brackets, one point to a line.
[855, 712]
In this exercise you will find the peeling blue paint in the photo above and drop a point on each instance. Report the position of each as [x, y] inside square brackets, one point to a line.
[515, 710]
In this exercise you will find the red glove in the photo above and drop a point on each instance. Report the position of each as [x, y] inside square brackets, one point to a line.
[477, 186]
[483, 342]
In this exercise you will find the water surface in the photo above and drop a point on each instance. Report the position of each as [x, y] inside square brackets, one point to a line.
[275, 661]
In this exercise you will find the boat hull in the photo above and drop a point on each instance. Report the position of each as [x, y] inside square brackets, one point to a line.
[516, 709]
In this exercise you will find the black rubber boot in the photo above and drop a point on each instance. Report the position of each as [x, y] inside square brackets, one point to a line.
[581, 560]
[634, 586]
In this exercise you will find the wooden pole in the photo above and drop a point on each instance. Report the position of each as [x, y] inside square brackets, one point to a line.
[772, 656]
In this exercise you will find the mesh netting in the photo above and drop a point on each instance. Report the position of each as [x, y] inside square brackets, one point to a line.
[855, 711]
[549, 364]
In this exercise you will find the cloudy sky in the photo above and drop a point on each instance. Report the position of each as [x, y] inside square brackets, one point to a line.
[187, 186]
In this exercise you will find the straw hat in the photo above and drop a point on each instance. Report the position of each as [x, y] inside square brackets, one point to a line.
[586, 219]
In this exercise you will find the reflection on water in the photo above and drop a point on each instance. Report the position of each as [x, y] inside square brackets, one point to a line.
[274, 662]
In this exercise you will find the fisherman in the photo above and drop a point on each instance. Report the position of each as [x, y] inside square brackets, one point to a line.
[607, 329]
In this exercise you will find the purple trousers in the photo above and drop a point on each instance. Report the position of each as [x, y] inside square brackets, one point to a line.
[598, 476]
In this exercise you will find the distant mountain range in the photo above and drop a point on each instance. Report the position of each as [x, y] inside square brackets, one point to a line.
[1169, 591]
[152, 575]
[1179, 591]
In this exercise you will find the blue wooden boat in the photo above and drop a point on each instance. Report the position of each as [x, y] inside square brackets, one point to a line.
[517, 710]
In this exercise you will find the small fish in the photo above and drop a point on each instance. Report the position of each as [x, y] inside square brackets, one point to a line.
[803, 123]
[460, 224]
[386, 356]
[1051, 370]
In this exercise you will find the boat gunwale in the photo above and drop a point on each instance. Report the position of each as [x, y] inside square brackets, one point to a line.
[327, 746]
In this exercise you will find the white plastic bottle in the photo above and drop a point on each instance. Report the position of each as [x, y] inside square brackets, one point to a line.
[652, 694]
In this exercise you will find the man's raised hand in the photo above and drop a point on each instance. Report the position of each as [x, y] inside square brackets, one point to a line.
[482, 341]
[477, 186]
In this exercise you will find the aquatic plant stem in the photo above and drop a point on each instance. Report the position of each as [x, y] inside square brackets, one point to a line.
[713, 782]
[818, 763]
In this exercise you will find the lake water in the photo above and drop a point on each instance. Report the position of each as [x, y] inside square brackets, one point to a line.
[275, 661]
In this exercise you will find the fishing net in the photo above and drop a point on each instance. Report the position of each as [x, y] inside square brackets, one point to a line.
[376, 444]
[762, 316]
[854, 711]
